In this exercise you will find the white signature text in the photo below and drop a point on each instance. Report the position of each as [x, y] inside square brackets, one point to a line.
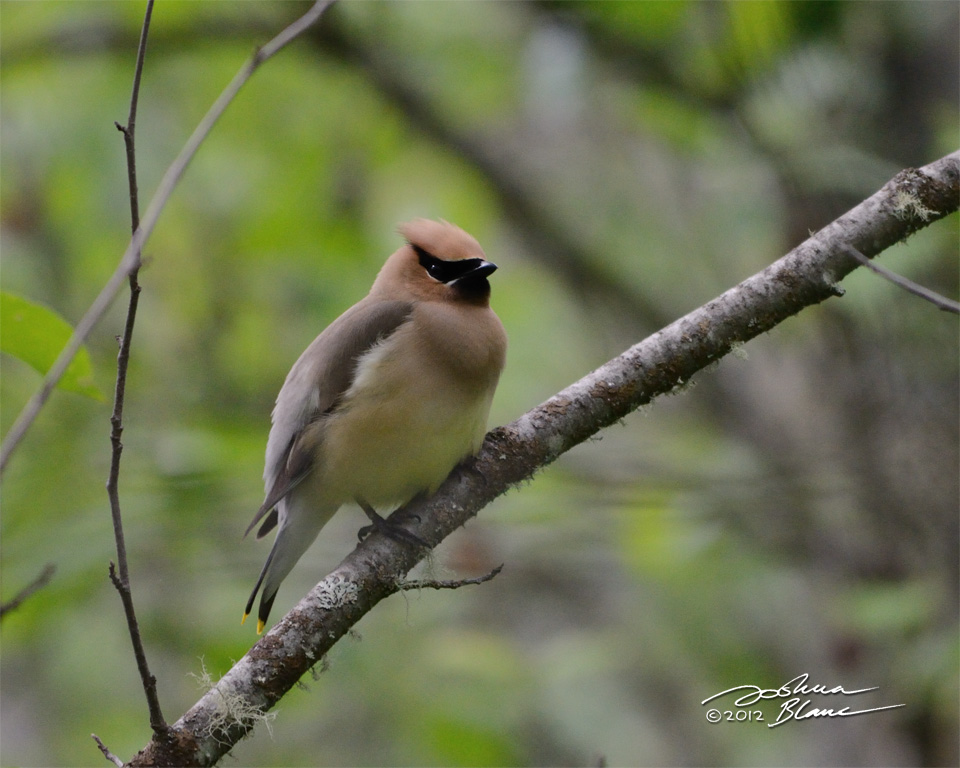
[794, 696]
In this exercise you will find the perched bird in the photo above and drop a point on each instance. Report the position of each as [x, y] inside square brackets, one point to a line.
[387, 400]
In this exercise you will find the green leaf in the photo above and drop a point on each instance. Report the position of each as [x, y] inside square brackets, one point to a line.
[35, 334]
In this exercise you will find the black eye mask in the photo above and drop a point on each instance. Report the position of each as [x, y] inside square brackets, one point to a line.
[452, 271]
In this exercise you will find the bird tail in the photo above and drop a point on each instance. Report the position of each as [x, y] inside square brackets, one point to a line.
[264, 608]
[297, 531]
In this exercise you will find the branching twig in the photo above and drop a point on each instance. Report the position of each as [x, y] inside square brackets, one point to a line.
[447, 583]
[942, 302]
[38, 583]
[122, 581]
[130, 260]
[106, 752]
[657, 365]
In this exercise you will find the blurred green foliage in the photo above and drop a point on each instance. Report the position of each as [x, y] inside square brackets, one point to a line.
[622, 162]
[35, 335]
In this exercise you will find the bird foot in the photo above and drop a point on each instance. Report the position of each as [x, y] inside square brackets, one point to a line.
[394, 531]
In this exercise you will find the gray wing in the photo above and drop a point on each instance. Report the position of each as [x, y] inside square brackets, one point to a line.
[314, 387]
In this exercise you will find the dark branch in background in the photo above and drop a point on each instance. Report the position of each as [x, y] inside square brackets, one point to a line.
[807, 275]
[121, 580]
[37, 584]
[543, 234]
[128, 262]
[942, 302]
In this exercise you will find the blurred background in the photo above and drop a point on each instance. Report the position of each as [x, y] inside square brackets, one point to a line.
[793, 510]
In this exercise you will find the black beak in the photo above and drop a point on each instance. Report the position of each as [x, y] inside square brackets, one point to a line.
[482, 269]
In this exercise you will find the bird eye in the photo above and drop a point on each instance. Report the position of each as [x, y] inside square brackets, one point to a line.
[433, 265]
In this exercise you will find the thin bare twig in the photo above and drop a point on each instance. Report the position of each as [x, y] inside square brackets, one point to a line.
[941, 302]
[122, 581]
[130, 259]
[106, 752]
[38, 583]
[448, 583]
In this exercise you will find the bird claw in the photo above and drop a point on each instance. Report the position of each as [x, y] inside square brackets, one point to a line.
[389, 529]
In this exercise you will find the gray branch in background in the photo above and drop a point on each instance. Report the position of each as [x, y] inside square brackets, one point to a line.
[807, 275]
[940, 302]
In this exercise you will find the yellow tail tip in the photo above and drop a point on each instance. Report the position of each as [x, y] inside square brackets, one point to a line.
[244, 619]
[260, 625]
